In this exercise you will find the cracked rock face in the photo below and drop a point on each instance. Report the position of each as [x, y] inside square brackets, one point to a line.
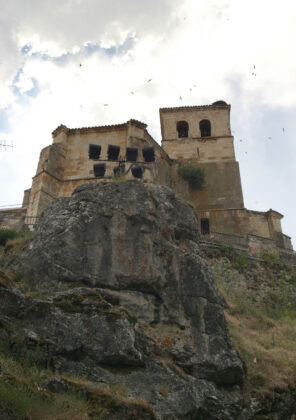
[126, 286]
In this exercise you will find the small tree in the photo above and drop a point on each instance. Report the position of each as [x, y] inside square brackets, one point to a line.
[193, 175]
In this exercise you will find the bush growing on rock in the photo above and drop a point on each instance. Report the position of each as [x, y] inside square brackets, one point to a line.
[6, 234]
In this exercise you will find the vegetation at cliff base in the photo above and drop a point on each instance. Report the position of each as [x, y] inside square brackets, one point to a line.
[29, 391]
[260, 307]
[9, 234]
[193, 175]
[6, 234]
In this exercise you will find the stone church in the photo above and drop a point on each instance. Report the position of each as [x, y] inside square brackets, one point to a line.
[196, 135]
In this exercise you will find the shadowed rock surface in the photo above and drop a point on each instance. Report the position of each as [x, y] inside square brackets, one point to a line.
[127, 297]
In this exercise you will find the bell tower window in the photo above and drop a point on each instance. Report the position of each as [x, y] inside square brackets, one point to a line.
[182, 128]
[205, 128]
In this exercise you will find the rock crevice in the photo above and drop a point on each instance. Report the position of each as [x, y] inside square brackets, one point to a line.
[125, 285]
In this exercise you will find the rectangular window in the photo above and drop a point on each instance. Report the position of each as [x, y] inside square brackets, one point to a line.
[94, 151]
[205, 226]
[113, 152]
[131, 154]
[148, 154]
[99, 170]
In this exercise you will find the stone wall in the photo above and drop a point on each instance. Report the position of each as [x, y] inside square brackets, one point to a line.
[219, 116]
[12, 218]
[222, 186]
[258, 224]
[202, 149]
[65, 164]
[227, 221]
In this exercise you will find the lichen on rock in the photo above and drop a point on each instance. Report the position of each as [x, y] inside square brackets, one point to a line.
[127, 290]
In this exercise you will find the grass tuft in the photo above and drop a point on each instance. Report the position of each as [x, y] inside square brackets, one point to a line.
[261, 315]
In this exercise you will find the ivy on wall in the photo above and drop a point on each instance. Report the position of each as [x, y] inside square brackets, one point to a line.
[193, 175]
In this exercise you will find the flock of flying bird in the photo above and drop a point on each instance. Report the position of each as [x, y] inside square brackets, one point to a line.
[190, 89]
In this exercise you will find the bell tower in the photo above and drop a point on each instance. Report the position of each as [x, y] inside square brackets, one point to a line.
[201, 136]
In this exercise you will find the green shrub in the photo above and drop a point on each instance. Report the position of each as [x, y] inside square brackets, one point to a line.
[6, 234]
[227, 250]
[270, 257]
[241, 261]
[292, 279]
[193, 175]
[119, 177]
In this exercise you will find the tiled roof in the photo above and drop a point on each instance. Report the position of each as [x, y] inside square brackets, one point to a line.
[193, 108]
[100, 128]
[60, 128]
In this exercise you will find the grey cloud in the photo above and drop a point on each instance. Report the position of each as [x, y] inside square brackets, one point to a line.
[73, 22]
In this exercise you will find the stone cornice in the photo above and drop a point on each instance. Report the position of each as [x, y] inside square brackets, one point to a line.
[59, 129]
[101, 128]
[193, 108]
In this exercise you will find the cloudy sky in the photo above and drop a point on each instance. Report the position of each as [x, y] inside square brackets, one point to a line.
[61, 61]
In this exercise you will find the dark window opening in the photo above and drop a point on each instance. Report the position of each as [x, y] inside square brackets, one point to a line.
[182, 128]
[138, 171]
[205, 128]
[205, 226]
[131, 154]
[148, 154]
[119, 170]
[94, 151]
[198, 151]
[113, 152]
[99, 170]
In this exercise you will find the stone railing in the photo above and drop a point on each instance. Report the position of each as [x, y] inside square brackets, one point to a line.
[244, 244]
[12, 217]
[32, 220]
[228, 239]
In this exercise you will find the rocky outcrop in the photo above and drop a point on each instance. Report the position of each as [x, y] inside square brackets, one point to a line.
[125, 296]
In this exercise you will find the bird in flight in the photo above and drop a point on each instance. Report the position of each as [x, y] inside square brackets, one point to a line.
[106, 104]
[132, 93]
[80, 65]
[149, 80]
[180, 98]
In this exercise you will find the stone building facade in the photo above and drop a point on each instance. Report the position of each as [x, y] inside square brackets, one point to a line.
[196, 135]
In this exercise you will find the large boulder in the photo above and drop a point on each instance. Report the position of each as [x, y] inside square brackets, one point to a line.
[125, 285]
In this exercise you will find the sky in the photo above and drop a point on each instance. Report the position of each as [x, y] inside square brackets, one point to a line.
[87, 63]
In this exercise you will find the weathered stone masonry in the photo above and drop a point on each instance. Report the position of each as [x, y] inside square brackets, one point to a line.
[197, 135]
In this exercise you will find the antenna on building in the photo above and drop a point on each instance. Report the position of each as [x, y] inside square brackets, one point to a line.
[4, 145]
